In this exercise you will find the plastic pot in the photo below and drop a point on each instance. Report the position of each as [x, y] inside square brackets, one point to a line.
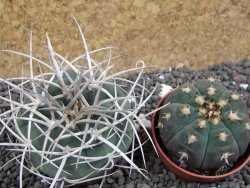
[185, 174]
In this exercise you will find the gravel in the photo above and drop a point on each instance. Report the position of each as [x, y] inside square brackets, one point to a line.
[234, 77]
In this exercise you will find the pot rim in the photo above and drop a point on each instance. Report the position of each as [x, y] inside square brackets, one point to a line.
[238, 166]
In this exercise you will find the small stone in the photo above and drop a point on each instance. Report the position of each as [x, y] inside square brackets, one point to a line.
[192, 185]
[157, 168]
[161, 175]
[161, 185]
[114, 185]
[110, 180]
[3, 185]
[37, 184]
[223, 185]
[239, 78]
[133, 175]
[173, 186]
[121, 180]
[93, 186]
[142, 186]
[130, 185]
[156, 179]
[8, 173]
[172, 176]
[247, 179]
[117, 174]
[204, 186]
[167, 177]
[232, 184]
[7, 181]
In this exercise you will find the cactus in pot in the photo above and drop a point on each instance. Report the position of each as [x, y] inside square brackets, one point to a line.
[205, 126]
[74, 122]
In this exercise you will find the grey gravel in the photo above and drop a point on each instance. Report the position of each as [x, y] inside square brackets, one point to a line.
[130, 185]
[143, 185]
[247, 179]
[117, 174]
[231, 74]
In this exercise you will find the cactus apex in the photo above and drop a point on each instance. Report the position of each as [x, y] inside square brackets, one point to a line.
[211, 79]
[202, 123]
[211, 90]
[192, 138]
[223, 136]
[167, 116]
[225, 156]
[233, 116]
[186, 89]
[199, 100]
[202, 111]
[222, 103]
[235, 96]
[186, 110]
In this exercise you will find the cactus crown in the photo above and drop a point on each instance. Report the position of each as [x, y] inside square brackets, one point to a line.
[205, 125]
[74, 123]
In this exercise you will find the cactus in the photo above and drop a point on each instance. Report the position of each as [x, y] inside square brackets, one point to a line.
[73, 123]
[205, 125]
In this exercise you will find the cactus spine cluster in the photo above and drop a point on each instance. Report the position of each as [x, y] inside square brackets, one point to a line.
[73, 123]
[205, 125]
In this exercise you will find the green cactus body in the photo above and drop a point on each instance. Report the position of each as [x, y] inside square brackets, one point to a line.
[85, 167]
[205, 125]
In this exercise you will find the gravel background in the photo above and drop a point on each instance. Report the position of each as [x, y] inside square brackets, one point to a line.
[232, 75]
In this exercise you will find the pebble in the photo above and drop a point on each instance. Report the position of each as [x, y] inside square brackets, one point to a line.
[7, 181]
[121, 180]
[37, 184]
[192, 185]
[110, 180]
[240, 78]
[172, 176]
[117, 174]
[247, 179]
[142, 186]
[130, 185]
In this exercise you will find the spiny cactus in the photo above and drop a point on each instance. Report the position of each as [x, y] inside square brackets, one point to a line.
[75, 122]
[205, 125]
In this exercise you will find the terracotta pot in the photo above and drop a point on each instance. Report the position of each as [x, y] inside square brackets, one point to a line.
[182, 173]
